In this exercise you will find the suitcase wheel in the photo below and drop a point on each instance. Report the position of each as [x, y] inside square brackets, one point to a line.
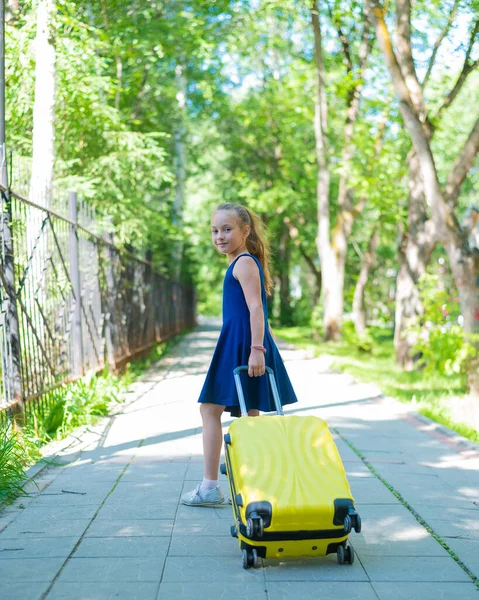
[357, 524]
[347, 524]
[223, 469]
[250, 558]
[254, 527]
[234, 531]
[345, 554]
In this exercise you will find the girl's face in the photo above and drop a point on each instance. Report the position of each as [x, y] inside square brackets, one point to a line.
[227, 234]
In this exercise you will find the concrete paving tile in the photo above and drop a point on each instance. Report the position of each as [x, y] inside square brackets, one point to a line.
[403, 467]
[413, 569]
[149, 511]
[313, 569]
[323, 590]
[145, 487]
[225, 511]
[425, 591]
[447, 513]
[190, 484]
[49, 513]
[225, 590]
[130, 528]
[195, 470]
[146, 493]
[23, 590]
[112, 569]
[48, 529]
[370, 543]
[201, 569]
[72, 484]
[375, 512]
[104, 466]
[466, 527]
[5, 522]
[123, 590]
[37, 547]
[356, 469]
[197, 513]
[29, 569]
[371, 491]
[418, 483]
[123, 547]
[204, 545]
[165, 500]
[466, 550]
[192, 527]
[417, 495]
[156, 471]
[64, 500]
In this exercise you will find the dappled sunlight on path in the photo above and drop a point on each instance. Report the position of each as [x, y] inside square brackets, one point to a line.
[110, 517]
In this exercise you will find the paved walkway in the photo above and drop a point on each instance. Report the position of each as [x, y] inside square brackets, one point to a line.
[107, 523]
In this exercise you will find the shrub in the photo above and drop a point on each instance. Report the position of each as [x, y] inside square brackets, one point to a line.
[441, 342]
[363, 343]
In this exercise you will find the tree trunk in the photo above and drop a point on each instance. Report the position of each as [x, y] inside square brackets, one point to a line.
[332, 247]
[284, 254]
[180, 165]
[463, 257]
[41, 184]
[294, 236]
[332, 318]
[359, 306]
[414, 255]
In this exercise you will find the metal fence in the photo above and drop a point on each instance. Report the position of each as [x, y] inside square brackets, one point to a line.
[81, 303]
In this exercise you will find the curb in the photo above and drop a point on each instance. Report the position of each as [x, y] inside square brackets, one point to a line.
[455, 437]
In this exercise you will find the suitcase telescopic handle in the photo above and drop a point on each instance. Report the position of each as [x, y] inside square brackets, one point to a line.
[239, 389]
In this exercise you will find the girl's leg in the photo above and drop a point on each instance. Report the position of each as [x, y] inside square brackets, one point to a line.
[208, 493]
[212, 438]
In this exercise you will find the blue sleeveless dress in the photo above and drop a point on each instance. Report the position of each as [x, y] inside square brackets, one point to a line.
[233, 349]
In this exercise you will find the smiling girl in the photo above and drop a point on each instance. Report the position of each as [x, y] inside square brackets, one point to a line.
[245, 338]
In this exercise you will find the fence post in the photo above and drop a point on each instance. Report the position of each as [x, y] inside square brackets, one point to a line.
[76, 336]
[110, 327]
[12, 357]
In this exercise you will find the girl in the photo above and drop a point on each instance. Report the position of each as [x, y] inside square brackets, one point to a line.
[245, 338]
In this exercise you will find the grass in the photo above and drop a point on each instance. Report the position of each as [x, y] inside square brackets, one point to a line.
[13, 459]
[436, 396]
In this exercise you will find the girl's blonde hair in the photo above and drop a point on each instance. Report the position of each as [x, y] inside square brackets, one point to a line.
[256, 243]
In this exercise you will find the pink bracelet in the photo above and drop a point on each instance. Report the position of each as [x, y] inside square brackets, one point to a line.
[262, 348]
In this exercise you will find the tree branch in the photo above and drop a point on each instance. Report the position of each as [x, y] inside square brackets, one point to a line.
[467, 68]
[343, 38]
[405, 58]
[419, 134]
[136, 111]
[440, 39]
[461, 167]
[352, 113]
[294, 235]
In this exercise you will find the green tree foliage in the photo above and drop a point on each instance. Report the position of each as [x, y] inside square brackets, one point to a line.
[249, 115]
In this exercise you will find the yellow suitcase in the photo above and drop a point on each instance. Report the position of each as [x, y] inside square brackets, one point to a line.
[289, 490]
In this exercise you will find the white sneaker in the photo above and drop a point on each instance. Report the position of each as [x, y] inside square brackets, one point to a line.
[212, 498]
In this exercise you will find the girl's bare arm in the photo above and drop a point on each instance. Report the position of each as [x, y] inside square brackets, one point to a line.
[247, 273]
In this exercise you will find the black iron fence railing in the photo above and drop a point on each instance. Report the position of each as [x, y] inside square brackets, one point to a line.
[72, 302]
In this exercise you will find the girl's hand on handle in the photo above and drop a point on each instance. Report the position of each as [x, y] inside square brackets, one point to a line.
[256, 363]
